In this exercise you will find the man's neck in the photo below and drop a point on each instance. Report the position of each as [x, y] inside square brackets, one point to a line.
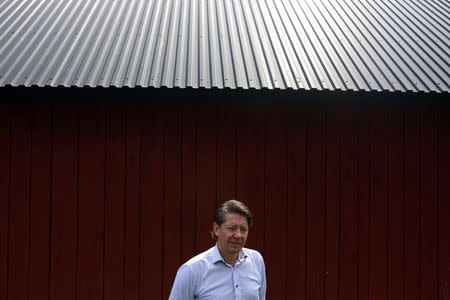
[229, 259]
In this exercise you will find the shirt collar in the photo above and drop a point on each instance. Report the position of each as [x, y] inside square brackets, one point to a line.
[215, 255]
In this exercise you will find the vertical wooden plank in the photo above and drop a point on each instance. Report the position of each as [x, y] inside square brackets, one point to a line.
[5, 160]
[250, 169]
[348, 213]
[412, 205]
[64, 208]
[226, 153]
[315, 207]
[363, 203]
[296, 202]
[19, 217]
[428, 207]
[152, 257]
[378, 206]
[396, 203]
[275, 189]
[114, 255]
[132, 201]
[172, 196]
[40, 201]
[189, 192]
[332, 204]
[444, 205]
[206, 175]
[91, 201]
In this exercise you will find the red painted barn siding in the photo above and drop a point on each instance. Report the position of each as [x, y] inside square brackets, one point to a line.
[5, 159]
[106, 201]
[114, 213]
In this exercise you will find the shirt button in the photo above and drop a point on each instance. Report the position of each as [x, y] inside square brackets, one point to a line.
[237, 285]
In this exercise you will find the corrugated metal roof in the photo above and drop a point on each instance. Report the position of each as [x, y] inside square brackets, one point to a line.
[396, 45]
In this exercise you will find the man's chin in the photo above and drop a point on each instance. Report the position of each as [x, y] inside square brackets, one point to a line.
[237, 247]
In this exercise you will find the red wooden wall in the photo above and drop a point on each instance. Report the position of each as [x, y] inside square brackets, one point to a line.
[106, 201]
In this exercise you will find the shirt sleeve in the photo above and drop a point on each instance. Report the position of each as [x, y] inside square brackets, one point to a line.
[262, 291]
[184, 284]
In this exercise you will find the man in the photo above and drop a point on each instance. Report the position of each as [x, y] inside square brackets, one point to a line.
[227, 271]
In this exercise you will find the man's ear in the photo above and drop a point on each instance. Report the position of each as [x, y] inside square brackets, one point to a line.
[215, 228]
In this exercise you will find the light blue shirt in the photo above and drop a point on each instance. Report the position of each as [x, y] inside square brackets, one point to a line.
[208, 276]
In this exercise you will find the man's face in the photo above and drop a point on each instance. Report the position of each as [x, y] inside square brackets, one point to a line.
[232, 234]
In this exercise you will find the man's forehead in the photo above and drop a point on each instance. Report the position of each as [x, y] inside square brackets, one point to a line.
[236, 219]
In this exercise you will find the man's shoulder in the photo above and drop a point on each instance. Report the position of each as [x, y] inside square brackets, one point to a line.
[199, 258]
[254, 254]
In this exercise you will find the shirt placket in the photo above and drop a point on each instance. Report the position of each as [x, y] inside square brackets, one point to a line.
[236, 280]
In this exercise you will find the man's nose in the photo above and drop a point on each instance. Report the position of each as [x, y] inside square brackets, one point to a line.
[238, 233]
